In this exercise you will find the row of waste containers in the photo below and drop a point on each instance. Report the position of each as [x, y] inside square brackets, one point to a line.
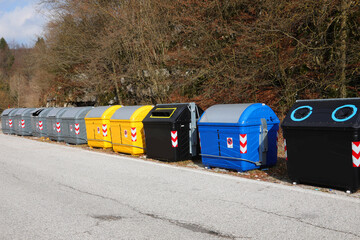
[322, 143]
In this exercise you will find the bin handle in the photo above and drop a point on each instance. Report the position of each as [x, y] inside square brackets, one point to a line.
[232, 158]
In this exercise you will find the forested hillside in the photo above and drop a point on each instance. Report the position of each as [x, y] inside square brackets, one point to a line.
[208, 51]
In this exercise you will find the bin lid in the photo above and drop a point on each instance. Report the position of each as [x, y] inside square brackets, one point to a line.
[25, 112]
[76, 112]
[166, 112]
[135, 113]
[45, 112]
[340, 112]
[56, 112]
[7, 111]
[246, 114]
[13, 113]
[102, 112]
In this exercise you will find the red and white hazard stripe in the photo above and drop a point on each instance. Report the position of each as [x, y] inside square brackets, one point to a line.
[41, 126]
[174, 139]
[104, 130]
[243, 143]
[77, 128]
[10, 123]
[133, 134]
[356, 154]
[58, 127]
[285, 149]
[22, 123]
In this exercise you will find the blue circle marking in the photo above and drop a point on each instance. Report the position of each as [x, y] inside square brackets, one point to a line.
[345, 119]
[303, 118]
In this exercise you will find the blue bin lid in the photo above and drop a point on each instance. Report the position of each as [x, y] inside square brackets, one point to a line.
[247, 114]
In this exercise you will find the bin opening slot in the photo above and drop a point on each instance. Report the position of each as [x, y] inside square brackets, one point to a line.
[344, 112]
[163, 113]
[300, 113]
[36, 113]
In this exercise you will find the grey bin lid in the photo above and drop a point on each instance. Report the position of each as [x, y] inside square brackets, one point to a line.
[125, 113]
[55, 112]
[24, 112]
[13, 113]
[45, 112]
[6, 111]
[97, 112]
[76, 113]
[224, 113]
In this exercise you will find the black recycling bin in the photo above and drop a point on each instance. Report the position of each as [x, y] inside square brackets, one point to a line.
[171, 132]
[322, 142]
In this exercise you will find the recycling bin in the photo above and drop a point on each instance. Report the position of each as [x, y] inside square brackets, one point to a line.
[5, 120]
[98, 126]
[23, 122]
[322, 139]
[240, 137]
[127, 129]
[170, 131]
[55, 124]
[13, 122]
[39, 122]
[74, 129]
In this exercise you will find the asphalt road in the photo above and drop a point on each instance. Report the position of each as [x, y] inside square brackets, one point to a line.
[51, 191]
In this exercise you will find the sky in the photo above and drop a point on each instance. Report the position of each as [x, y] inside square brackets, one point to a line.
[20, 21]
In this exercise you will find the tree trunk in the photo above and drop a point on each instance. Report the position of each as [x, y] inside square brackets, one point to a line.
[345, 4]
[116, 85]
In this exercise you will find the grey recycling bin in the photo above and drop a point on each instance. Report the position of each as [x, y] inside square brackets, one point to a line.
[36, 124]
[54, 124]
[5, 120]
[42, 130]
[23, 122]
[73, 125]
[12, 119]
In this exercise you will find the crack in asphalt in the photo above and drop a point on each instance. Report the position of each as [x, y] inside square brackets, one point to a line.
[291, 218]
[189, 226]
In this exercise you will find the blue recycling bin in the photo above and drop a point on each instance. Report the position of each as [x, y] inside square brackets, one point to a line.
[241, 137]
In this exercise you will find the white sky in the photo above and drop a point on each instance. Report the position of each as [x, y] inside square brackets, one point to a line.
[20, 22]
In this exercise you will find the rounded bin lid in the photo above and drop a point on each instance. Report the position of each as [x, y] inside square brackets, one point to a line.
[7, 111]
[101, 112]
[127, 112]
[25, 112]
[224, 113]
[76, 112]
[13, 113]
[56, 112]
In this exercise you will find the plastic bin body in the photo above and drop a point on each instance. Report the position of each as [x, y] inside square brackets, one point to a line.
[40, 123]
[323, 148]
[167, 132]
[5, 120]
[35, 121]
[13, 122]
[23, 122]
[74, 129]
[55, 124]
[127, 129]
[235, 136]
[98, 126]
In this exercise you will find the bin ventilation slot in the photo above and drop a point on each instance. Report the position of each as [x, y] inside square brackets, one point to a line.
[163, 113]
[344, 113]
[301, 113]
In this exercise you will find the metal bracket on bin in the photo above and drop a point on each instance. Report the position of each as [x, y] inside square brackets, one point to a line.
[232, 158]
[263, 142]
[192, 129]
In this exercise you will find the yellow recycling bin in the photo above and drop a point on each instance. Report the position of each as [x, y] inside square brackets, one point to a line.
[97, 123]
[127, 129]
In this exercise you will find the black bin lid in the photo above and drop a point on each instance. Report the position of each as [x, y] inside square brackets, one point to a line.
[336, 113]
[163, 113]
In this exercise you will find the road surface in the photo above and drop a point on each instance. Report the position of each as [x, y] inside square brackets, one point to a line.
[52, 191]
